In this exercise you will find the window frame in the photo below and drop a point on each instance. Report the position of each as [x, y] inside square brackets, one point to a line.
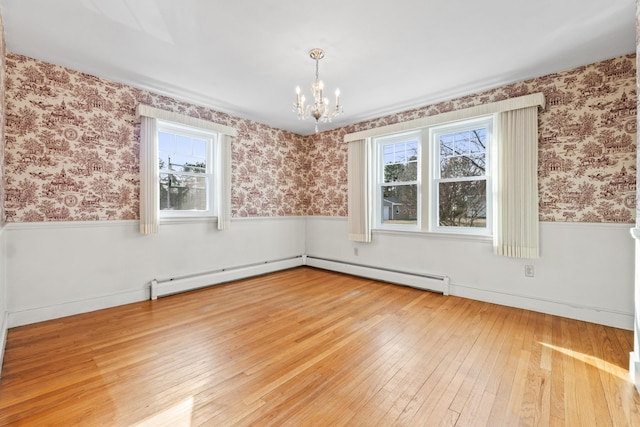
[435, 132]
[379, 143]
[212, 139]
[427, 186]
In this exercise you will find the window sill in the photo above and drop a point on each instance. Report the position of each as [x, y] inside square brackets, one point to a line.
[434, 235]
[188, 219]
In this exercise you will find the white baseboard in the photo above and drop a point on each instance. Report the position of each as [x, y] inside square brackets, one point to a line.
[599, 315]
[433, 282]
[28, 315]
[172, 286]
[4, 329]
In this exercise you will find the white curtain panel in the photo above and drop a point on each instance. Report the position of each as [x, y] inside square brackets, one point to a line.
[149, 191]
[359, 225]
[516, 232]
[224, 183]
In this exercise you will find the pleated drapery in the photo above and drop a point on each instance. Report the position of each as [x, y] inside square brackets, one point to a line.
[224, 183]
[359, 224]
[516, 223]
[149, 191]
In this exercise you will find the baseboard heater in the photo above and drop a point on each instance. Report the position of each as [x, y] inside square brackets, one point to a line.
[430, 282]
[174, 285]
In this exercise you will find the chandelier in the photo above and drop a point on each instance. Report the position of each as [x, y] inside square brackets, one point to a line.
[320, 109]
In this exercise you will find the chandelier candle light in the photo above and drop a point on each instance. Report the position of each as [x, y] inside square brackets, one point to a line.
[320, 109]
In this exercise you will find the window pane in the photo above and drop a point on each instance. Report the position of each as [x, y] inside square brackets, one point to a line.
[166, 142]
[463, 204]
[184, 193]
[478, 139]
[389, 158]
[163, 161]
[446, 145]
[461, 142]
[196, 166]
[182, 153]
[183, 145]
[400, 161]
[462, 166]
[200, 148]
[400, 204]
[399, 172]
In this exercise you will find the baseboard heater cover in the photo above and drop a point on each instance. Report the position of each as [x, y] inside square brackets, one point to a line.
[429, 282]
[176, 285]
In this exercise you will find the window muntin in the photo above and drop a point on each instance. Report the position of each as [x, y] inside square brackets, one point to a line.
[398, 172]
[461, 178]
[186, 170]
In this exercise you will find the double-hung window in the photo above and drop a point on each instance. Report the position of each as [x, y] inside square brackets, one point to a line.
[461, 177]
[453, 161]
[398, 177]
[471, 171]
[186, 170]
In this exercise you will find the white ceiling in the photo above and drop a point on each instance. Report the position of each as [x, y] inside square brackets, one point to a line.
[246, 57]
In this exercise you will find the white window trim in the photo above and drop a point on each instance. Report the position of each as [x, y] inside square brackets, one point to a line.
[212, 174]
[434, 151]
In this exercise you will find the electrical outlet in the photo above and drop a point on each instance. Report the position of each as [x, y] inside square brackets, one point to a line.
[528, 270]
[355, 251]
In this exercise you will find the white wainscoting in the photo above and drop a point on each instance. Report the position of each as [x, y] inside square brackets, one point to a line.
[53, 270]
[60, 269]
[634, 356]
[585, 272]
[4, 315]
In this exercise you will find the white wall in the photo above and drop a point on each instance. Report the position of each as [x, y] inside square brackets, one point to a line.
[634, 357]
[58, 269]
[586, 271]
[4, 325]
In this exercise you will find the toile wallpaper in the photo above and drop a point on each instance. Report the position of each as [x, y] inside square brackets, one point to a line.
[638, 108]
[3, 50]
[587, 149]
[71, 149]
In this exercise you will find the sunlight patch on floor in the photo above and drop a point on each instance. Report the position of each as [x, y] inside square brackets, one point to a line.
[178, 415]
[603, 365]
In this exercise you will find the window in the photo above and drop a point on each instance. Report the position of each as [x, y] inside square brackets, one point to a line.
[454, 160]
[398, 180]
[472, 159]
[186, 170]
[186, 166]
[461, 184]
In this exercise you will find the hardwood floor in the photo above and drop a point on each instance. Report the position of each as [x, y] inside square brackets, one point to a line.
[310, 347]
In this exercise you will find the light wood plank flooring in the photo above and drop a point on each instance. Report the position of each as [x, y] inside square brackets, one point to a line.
[310, 347]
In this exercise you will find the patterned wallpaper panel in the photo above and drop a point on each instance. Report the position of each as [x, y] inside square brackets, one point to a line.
[72, 149]
[638, 108]
[587, 149]
[3, 50]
